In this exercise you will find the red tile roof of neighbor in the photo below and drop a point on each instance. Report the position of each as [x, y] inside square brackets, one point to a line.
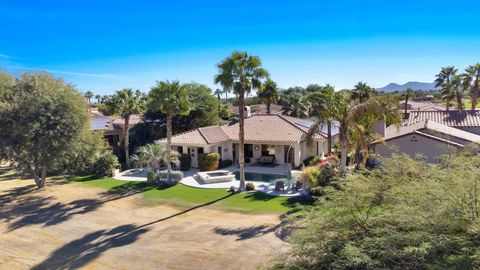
[265, 128]
[452, 118]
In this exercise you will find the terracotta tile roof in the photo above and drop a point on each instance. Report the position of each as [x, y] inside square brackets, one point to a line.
[451, 118]
[421, 106]
[430, 128]
[271, 128]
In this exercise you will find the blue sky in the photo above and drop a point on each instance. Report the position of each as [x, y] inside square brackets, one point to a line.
[108, 45]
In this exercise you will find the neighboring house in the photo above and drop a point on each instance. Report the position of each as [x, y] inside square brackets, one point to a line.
[279, 136]
[426, 137]
[260, 109]
[421, 106]
[465, 120]
[111, 126]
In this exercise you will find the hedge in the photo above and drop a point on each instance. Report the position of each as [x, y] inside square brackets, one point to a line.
[208, 162]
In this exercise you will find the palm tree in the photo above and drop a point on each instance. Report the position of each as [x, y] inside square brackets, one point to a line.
[443, 80]
[98, 97]
[362, 92]
[217, 93]
[473, 73]
[153, 155]
[269, 93]
[349, 117]
[409, 92]
[88, 96]
[457, 85]
[170, 98]
[295, 104]
[125, 103]
[241, 73]
[326, 105]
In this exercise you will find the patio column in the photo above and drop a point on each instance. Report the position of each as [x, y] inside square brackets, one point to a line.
[297, 154]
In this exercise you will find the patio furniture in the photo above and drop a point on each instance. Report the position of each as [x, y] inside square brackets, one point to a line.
[279, 186]
[297, 186]
[264, 160]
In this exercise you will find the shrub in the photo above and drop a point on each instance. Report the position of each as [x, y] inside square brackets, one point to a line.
[250, 186]
[106, 163]
[151, 177]
[225, 163]
[208, 162]
[312, 161]
[185, 162]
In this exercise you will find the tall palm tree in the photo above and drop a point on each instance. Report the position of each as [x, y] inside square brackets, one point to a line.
[443, 80]
[269, 93]
[98, 98]
[125, 103]
[349, 117]
[362, 92]
[88, 96]
[473, 73]
[409, 92]
[241, 73]
[326, 105]
[217, 93]
[457, 89]
[170, 98]
[295, 104]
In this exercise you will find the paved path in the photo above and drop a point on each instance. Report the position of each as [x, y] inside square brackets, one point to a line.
[72, 226]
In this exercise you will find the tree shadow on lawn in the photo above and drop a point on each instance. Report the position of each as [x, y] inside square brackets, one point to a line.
[27, 206]
[246, 233]
[79, 252]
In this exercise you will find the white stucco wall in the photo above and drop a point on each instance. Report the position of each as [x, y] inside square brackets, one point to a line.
[431, 149]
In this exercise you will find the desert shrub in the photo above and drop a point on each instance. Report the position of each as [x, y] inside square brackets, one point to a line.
[106, 163]
[406, 214]
[208, 162]
[250, 186]
[185, 162]
[151, 177]
[225, 163]
[175, 175]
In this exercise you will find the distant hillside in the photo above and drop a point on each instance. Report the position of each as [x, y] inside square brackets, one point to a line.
[401, 87]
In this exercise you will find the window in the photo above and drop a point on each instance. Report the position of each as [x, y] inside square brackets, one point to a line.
[268, 150]
[180, 150]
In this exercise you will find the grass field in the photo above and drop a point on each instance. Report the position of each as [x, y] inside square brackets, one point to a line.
[188, 196]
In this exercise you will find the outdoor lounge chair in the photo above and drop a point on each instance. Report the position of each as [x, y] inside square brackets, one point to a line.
[279, 186]
[264, 160]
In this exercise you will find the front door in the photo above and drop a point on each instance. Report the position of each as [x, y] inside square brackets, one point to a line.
[199, 151]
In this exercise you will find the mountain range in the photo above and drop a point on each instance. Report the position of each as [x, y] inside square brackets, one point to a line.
[391, 87]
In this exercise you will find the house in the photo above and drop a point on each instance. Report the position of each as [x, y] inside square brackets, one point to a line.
[421, 106]
[111, 126]
[431, 134]
[465, 120]
[279, 136]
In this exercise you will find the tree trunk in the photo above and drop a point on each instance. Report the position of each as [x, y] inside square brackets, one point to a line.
[126, 141]
[40, 176]
[268, 107]
[329, 137]
[241, 135]
[406, 105]
[475, 94]
[169, 146]
[343, 144]
[447, 105]
[459, 100]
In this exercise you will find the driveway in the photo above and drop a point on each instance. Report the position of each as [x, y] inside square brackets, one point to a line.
[70, 226]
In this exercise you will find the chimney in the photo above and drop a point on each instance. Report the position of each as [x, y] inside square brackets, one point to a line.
[380, 127]
[247, 112]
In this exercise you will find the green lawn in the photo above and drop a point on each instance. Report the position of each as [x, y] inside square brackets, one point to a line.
[188, 196]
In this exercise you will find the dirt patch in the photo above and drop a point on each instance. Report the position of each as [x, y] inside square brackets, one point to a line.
[70, 226]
